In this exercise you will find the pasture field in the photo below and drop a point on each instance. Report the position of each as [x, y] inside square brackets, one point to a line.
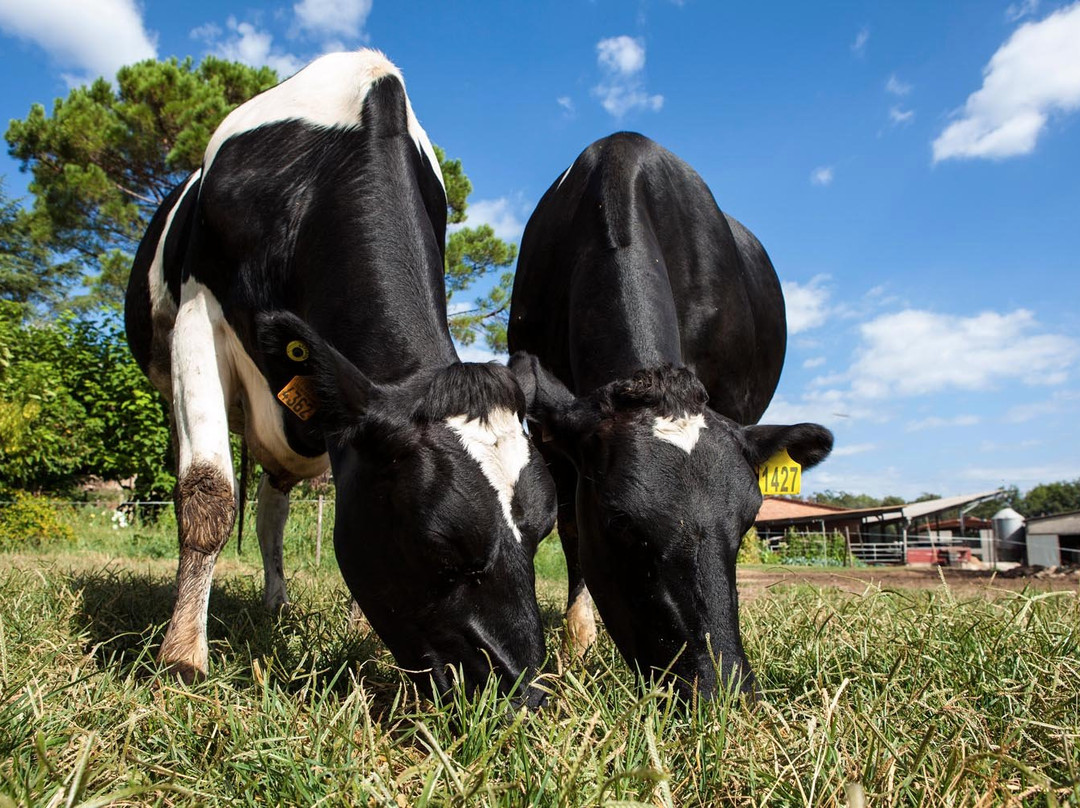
[926, 691]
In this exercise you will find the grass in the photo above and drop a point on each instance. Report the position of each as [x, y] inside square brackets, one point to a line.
[906, 698]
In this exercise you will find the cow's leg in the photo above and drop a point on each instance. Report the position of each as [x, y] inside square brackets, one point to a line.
[273, 511]
[580, 619]
[205, 488]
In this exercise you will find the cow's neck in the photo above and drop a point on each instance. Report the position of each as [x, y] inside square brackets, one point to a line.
[623, 319]
[385, 305]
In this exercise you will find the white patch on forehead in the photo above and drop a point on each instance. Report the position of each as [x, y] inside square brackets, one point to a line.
[327, 93]
[501, 449]
[683, 432]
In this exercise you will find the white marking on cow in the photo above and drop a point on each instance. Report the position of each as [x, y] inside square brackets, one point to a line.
[204, 391]
[161, 302]
[564, 176]
[328, 93]
[683, 432]
[501, 449]
[201, 388]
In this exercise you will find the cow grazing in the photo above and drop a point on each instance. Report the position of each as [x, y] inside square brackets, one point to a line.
[650, 330]
[292, 290]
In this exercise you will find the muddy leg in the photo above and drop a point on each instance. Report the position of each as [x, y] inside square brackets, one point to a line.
[206, 489]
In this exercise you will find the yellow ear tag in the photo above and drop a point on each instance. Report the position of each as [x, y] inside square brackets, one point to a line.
[296, 351]
[299, 396]
[780, 475]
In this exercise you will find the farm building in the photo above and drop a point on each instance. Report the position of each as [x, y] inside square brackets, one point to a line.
[1054, 540]
[937, 531]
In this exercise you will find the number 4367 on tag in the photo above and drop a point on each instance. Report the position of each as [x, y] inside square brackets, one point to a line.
[780, 475]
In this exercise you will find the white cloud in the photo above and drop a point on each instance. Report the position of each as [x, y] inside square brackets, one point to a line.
[853, 449]
[333, 17]
[621, 54]
[834, 408]
[936, 422]
[1024, 8]
[94, 39]
[813, 362]
[915, 352]
[622, 89]
[1034, 74]
[1022, 476]
[898, 115]
[1061, 401]
[500, 213]
[807, 304]
[567, 103]
[822, 175]
[896, 87]
[858, 47]
[244, 42]
[478, 353]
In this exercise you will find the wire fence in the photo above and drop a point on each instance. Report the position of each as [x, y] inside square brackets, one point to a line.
[869, 548]
[151, 526]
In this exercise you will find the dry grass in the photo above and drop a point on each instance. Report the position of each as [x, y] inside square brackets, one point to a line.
[920, 698]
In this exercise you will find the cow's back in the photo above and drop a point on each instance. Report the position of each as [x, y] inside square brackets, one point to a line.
[631, 234]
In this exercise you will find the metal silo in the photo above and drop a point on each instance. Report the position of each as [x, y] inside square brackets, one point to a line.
[1008, 535]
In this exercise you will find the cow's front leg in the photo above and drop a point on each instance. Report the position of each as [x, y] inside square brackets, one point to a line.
[206, 486]
[273, 512]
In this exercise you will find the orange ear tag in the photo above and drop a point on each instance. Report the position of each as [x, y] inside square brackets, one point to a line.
[780, 475]
[299, 396]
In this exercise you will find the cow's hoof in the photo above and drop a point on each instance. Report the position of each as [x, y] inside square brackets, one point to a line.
[580, 627]
[278, 608]
[186, 672]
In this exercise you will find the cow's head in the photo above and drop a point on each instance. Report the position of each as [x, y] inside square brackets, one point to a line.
[441, 501]
[666, 490]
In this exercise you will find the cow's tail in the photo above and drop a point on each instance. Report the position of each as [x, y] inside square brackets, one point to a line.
[244, 471]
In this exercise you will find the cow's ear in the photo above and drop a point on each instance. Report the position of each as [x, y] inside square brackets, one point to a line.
[808, 444]
[309, 376]
[560, 417]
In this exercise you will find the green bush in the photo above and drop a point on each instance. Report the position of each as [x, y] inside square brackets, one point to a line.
[74, 403]
[813, 549]
[31, 522]
[755, 551]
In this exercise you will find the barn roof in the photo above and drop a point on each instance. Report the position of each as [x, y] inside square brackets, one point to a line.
[777, 508]
[883, 513]
[1060, 524]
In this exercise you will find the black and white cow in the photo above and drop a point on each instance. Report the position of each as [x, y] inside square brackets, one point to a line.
[651, 331]
[292, 290]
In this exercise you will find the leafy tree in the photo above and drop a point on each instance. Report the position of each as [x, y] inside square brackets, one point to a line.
[28, 275]
[1047, 499]
[471, 253]
[107, 156]
[74, 403]
[843, 499]
[1010, 499]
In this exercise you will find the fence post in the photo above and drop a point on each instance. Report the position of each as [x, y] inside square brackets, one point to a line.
[847, 546]
[318, 533]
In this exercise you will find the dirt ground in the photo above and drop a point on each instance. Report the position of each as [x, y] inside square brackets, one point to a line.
[755, 582]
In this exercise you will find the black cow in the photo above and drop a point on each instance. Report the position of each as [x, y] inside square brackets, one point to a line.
[638, 303]
[292, 290]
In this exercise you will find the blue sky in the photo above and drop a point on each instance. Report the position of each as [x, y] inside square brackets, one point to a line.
[912, 168]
